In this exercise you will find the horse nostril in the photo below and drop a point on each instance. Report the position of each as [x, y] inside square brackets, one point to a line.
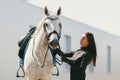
[54, 42]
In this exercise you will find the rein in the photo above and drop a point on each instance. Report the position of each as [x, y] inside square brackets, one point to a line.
[34, 54]
[42, 66]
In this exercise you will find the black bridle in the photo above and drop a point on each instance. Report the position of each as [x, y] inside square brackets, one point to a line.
[53, 32]
[51, 50]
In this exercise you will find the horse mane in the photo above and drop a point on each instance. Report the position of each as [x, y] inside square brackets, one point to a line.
[39, 26]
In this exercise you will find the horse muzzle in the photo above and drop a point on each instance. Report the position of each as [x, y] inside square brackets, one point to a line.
[54, 43]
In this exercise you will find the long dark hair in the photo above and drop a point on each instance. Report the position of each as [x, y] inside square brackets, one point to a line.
[92, 46]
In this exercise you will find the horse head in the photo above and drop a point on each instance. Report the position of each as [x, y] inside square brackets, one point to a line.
[52, 27]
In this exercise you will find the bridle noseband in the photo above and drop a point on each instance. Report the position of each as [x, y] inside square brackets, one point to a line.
[53, 32]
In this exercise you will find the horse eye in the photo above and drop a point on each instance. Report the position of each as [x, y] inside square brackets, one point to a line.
[60, 25]
[46, 24]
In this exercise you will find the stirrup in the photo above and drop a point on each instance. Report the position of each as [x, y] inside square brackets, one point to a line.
[17, 74]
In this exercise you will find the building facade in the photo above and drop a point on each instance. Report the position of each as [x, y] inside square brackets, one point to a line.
[16, 17]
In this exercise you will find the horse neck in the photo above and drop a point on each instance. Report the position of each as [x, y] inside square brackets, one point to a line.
[41, 42]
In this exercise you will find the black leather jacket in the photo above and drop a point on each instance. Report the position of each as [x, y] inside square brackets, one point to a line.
[78, 66]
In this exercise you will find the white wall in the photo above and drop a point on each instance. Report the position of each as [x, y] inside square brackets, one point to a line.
[103, 39]
[15, 18]
[17, 15]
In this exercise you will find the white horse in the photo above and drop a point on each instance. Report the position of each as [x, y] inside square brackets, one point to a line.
[38, 63]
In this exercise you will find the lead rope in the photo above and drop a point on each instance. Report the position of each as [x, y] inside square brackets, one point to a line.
[57, 61]
[60, 62]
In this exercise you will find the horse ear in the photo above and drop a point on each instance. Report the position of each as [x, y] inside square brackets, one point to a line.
[59, 11]
[46, 11]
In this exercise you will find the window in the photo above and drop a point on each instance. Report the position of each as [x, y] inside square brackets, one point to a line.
[108, 59]
[91, 68]
[67, 44]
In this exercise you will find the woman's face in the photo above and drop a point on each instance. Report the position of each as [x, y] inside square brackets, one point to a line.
[84, 41]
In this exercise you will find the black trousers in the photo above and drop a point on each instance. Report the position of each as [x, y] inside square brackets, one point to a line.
[76, 75]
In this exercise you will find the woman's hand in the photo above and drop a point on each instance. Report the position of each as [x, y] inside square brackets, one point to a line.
[63, 59]
[60, 53]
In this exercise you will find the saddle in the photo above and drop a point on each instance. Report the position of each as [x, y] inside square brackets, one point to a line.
[24, 41]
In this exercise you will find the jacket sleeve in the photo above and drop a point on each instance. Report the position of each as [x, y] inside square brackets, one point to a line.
[70, 54]
[61, 53]
[64, 59]
[84, 62]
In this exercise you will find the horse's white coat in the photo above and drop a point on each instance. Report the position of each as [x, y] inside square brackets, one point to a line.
[35, 53]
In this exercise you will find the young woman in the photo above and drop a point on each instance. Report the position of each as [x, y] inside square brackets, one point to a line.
[79, 59]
